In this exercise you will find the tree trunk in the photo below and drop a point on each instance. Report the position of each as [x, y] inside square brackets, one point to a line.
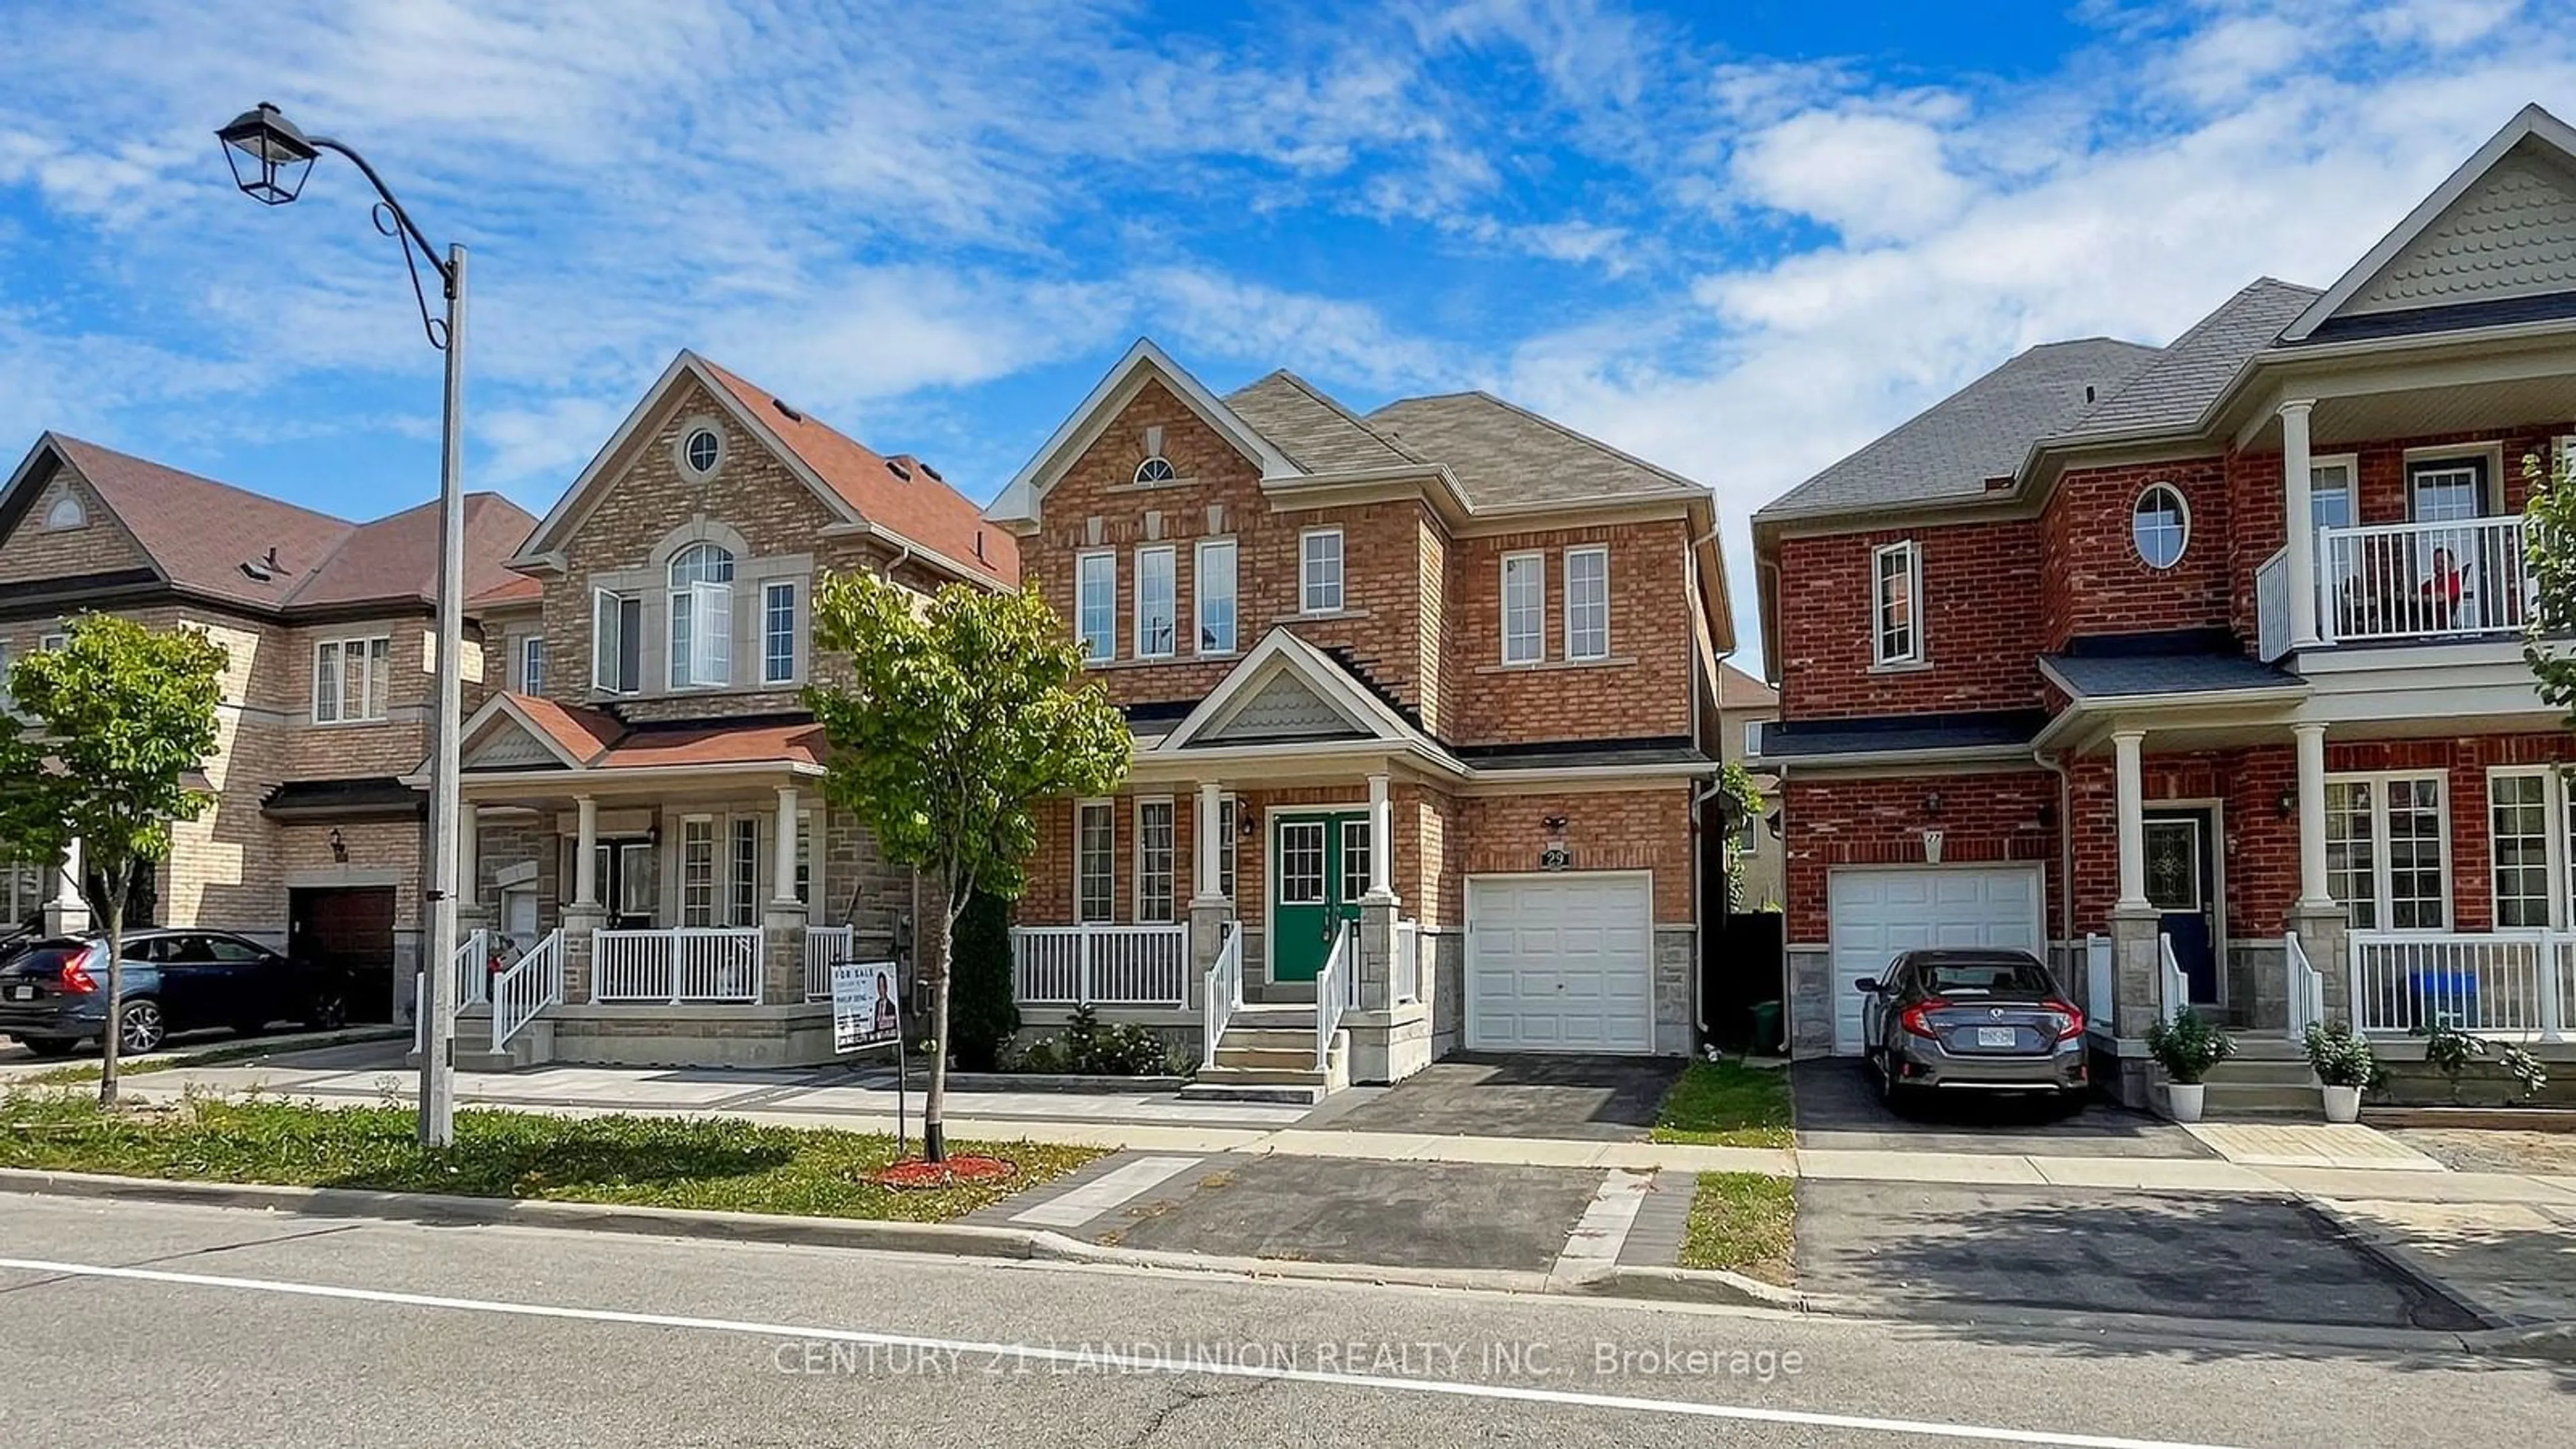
[111, 1038]
[934, 1103]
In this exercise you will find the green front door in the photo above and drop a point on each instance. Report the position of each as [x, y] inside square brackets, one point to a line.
[1319, 870]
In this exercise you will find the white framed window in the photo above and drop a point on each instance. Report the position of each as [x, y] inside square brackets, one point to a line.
[1157, 602]
[701, 449]
[1753, 739]
[351, 678]
[2160, 525]
[2522, 854]
[1095, 844]
[1355, 859]
[1212, 587]
[616, 642]
[701, 617]
[1896, 571]
[1156, 469]
[742, 875]
[1154, 860]
[1587, 603]
[698, 870]
[2388, 842]
[1095, 604]
[48, 643]
[778, 632]
[1319, 558]
[528, 664]
[1524, 602]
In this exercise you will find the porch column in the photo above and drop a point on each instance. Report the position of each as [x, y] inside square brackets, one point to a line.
[469, 861]
[1381, 840]
[2313, 895]
[2300, 523]
[1208, 907]
[67, 914]
[585, 857]
[2125, 751]
[782, 865]
[1378, 910]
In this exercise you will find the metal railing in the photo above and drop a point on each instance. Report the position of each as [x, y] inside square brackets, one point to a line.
[2272, 607]
[2101, 987]
[1101, 965]
[2173, 989]
[1336, 989]
[1405, 979]
[683, 964]
[2502, 984]
[825, 948]
[2307, 987]
[531, 984]
[1224, 991]
[2422, 580]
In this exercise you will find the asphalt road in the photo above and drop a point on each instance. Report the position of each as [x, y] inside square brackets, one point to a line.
[140, 1325]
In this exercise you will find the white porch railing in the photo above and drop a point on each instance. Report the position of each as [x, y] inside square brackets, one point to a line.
[2101, 988]
[471, 977]
[2421, 580]
[1097, 965]
[1405, 979]
[2503, 984]
[684, 964]
[1224, 991]
[531, 984]
[2272, 607]
[2173, 989]
[2307, 987]
[1336, 989]
[825, 948]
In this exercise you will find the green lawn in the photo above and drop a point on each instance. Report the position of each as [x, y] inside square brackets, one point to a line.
[1726, 1104]
[653, 1161]
[1744, 1222]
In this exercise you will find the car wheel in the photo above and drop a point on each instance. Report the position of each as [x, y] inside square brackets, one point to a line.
[1897, 1099]
[142, 1027]
[50, 1046]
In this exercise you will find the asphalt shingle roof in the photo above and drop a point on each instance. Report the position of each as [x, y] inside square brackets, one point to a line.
[200, 532]
[2117, 676]
[1503, 455]
[1980, 432]
[1892, 734]
[1317, 433]
[2171, 392]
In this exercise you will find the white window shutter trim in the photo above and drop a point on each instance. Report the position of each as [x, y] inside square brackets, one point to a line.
[604, 643]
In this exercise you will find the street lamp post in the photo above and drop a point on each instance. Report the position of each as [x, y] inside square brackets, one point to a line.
[270, 158]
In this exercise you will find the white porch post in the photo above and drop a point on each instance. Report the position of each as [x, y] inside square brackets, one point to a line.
[782, 861]
[1381, 840]
[67, 914]
[1205, 878]
[1208, 908]
[469, 856]
[2311, 740]
[2125, 749]
[585, 858]
[2301, 525]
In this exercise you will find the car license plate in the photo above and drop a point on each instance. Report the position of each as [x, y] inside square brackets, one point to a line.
[23, 993]
[1996, 1036]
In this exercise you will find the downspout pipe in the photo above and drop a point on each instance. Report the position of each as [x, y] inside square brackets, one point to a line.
[2056, 765]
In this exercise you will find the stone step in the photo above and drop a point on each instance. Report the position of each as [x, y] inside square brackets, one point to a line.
[2241, 1098]
[1249, 1017]
[1207, 1090]
[1230, 1055]
[1302, 1074]
[1279, 1038]
[2268, 1045]
[2260, 1073]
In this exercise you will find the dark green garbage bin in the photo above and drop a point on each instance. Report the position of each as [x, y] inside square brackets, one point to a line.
[1766, 1026]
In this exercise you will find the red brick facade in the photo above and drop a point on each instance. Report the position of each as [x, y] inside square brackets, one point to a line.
[2006, 816]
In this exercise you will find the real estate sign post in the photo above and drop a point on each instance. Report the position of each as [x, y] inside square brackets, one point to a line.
[865, 1016]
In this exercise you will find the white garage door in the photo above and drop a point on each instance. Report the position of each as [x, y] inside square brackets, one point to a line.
[1561, 963]
[1877, 913]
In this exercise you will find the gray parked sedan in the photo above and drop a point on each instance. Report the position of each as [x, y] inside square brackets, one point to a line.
[1978, 1020]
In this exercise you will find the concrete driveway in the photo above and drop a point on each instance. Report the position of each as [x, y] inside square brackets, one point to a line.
[1838, 1108]
[1591, 1098]
[1989, 1253]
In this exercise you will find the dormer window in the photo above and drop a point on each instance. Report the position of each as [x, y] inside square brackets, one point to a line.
[67, 512]
[1156, 469]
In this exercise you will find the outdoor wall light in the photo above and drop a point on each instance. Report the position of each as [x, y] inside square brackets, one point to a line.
[1932, 804]
[1554, 824]
[2287, 803]
[339, 847]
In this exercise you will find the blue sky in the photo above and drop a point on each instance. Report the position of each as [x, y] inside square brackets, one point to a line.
[1740, 239]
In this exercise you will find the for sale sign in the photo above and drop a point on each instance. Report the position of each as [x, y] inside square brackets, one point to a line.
[864, 1010]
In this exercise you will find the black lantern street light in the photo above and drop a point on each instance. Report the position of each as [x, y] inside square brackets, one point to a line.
[271, 156]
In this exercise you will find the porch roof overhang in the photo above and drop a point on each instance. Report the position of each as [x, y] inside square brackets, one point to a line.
[1995, 736]
[373, 797]
[524, 742]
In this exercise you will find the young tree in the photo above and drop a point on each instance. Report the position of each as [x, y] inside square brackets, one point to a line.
[962, 712]
[2549, 564]
[115, 720]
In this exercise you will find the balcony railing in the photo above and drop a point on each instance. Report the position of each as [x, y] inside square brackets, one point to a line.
[2517, 984]
[1101, 965]
[2420, 580]
[2272, 607]
[686, 964]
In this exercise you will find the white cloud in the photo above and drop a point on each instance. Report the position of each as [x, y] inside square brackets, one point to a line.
[1866, 174]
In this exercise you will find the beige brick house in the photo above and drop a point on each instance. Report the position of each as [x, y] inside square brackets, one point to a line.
[312, 837]
[1423, 705]
[650, 854]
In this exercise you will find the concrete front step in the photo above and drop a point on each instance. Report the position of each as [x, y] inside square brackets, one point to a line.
[2262, 1074]
[2238, 1099]
[1294, 1058]
[1265, 1017]
[1270, 1038]
[1207, 1089]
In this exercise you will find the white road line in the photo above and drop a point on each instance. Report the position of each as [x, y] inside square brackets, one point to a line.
[1094, 1359]
[1603, 1230]
[1074, 1208]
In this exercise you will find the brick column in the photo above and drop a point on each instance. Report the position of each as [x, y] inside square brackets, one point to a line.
[578, 922]
[2324, 934]
[782, 960]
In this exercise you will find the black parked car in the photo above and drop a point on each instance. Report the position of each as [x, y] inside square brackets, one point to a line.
[53, 994]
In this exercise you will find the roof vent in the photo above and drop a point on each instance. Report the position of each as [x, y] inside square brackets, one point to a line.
[900, 467]
[792, 414]
[979, 543]
[2088, 392]
[260, 571]
[932, 473]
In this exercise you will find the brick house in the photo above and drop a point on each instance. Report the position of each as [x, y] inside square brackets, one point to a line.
[312, 840]
[2198, 667]
[1422, 706]
[653, 866]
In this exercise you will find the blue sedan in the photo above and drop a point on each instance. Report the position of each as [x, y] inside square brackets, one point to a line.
[53, 992]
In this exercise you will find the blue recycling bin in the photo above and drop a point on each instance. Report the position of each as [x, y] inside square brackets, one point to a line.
[2444, 998]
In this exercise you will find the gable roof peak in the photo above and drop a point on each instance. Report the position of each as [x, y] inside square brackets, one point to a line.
[1144, 361]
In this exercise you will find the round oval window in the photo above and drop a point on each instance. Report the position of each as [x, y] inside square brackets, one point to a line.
[2160, 526]
[702, 448]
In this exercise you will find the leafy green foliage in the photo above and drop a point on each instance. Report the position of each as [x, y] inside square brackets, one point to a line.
[120, 714]
[961, 713]
[2188, 1046]
[1726, 1104]
[656, 1161]
[2341, 1057]
[985, 1015]
[2450, 1051]
[2549, 567]
[2525, 1069]
[1737, 800]
[1087, 1049]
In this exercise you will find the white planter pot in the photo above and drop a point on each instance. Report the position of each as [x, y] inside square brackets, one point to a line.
[2183, 1099]
[2343, 1104]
